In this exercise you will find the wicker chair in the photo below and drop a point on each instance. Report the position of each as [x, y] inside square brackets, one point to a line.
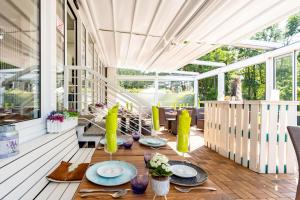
[295, 137]
[162, 117]
[200, 118]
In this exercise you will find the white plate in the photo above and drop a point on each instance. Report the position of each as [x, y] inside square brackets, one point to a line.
[109, 171]
[183, 171]
[153, 141]
[120, 141]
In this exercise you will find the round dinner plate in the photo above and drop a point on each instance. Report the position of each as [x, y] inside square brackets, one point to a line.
[110, 171]
[152, 141]
[129, 172]
[120, 141]
[183, 171]
[199, 179]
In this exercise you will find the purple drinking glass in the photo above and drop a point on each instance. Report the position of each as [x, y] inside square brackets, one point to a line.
[147, 158]
[128, 143]
[136, 135]
[139, 183]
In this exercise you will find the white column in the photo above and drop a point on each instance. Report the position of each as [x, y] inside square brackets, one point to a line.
[196, 92]
[48, 57]
[269, 77]
[221, 86]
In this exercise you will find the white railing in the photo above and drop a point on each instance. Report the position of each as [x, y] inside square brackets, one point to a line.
[252, 133]
[140, 107]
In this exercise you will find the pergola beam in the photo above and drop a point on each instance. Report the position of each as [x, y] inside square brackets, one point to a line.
[258, 44]
[251, 61]
[208, 63]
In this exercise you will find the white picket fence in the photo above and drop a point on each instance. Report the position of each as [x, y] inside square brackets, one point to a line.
[252, 133]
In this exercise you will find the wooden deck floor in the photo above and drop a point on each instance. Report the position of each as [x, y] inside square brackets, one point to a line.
[237, 181]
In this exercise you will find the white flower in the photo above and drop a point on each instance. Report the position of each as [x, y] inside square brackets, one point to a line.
[153, 163]
[168, 169]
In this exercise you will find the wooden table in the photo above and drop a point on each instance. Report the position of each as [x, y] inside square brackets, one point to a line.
[136, 157]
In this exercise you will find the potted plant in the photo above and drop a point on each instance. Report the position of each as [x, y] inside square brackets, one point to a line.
[160, 172]
[61, 121]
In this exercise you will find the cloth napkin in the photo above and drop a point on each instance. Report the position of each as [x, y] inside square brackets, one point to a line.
[155, 118]
[68, 172]
[111, 129]
[183, 131]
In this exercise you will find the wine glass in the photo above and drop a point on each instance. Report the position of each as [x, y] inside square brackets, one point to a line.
[136, 135]
[183, 143]
[147, 157]
[110, 147]
[128, 142]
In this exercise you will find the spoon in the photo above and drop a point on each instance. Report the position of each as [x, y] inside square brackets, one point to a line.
[115, 195]
[185, 190]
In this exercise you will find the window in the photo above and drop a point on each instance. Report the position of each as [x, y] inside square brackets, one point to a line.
[143, 89]
[89, 76]
[60, 52]
[176, 92]
[284, 77]
[19, 61]
[83, 62]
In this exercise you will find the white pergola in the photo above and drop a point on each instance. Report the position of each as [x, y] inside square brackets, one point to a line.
[156, 35]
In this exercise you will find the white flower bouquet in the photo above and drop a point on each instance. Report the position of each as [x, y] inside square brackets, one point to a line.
[159, 166]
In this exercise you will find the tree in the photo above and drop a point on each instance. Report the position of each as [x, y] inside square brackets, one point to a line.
[292, 28]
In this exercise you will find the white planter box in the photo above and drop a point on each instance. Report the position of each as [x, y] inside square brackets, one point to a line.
[67, 124]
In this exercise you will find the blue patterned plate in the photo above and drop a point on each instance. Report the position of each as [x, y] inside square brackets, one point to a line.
[152, 141]
[120, 141]
[129, 172]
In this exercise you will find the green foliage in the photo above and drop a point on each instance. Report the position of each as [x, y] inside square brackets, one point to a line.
[270, 34]
[253, 83]
[17, 97]
[136, 86]
[254, 76]
[292, 27]
[284, 77]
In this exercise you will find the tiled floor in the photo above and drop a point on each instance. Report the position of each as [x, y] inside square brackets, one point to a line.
[237, 181]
